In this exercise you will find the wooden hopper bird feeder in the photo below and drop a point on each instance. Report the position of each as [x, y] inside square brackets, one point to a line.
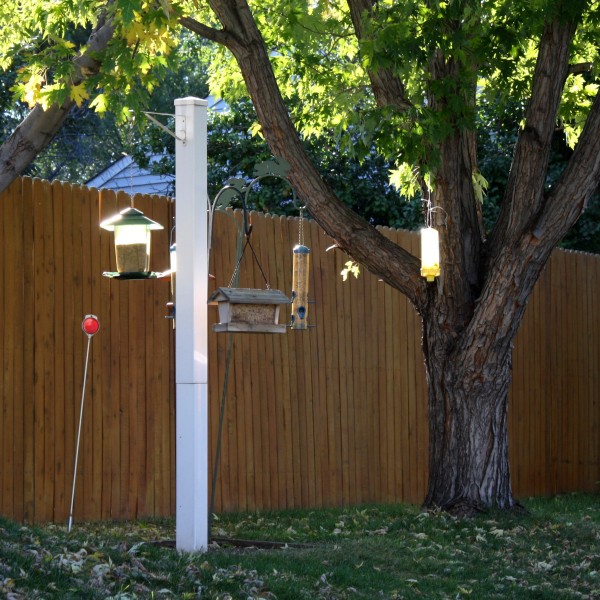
[244, 310]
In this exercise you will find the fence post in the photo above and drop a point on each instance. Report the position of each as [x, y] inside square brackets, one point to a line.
[191, 346]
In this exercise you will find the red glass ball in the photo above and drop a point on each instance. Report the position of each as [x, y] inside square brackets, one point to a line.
[90, 324]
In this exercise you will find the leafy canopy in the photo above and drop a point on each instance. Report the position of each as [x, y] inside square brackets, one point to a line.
[320, 64]
[322, 68]
[42, 38]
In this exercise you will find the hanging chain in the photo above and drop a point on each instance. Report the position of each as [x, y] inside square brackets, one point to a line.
[131, 181]
[429, 210]
[301, 227]
[248, 228]
[239, 262]
[130, 143]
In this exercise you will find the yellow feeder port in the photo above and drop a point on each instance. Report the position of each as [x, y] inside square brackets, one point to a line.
[301, 264]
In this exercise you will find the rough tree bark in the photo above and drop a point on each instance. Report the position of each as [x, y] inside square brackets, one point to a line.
[40, 126]
[471, 313]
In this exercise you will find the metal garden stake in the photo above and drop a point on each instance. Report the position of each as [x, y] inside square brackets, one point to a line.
[90, 327]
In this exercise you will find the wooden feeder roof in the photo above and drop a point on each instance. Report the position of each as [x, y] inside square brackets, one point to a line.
[248, 296]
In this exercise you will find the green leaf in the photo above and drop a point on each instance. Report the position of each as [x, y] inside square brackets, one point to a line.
[277, 167]
[480, 186]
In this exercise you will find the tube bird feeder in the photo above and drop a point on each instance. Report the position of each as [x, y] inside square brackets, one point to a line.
[300, 279]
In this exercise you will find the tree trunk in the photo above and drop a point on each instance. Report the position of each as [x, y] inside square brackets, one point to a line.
[40, 126]
[468, 436]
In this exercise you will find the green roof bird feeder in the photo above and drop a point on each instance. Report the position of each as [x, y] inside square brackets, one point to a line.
[132, 243]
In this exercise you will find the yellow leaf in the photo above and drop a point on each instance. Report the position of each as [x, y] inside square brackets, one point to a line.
[31, 97]
[99, 103]
[78, 94]
[32, 89]
[136, 32]
[256, 129]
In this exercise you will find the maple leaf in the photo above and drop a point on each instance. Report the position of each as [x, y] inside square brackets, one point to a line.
[78, 94]
[100, 103]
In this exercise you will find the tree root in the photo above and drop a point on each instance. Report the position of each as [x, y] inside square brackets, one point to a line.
[464, 508]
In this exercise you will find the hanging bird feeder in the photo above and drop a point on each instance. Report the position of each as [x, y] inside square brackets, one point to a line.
[430, 253]
[132, 243]
[244, 310]
[300, 278]
[248, 310]
[301, 263]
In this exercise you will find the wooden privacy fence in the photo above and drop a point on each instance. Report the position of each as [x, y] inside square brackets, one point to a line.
[335, 415]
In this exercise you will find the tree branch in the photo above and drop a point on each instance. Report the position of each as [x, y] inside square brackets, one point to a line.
[210, 33]
[525, 188]
[387, 87]
[569, 197]
[40, 126]
[532, 223]
[577, 68]
[363, 242]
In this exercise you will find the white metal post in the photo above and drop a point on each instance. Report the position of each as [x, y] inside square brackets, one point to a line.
[191, 347]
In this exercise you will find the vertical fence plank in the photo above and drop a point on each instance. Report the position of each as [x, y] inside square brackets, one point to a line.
[299, 378]
[42, 333]
[5, 265]
[71, 329]
[216, 357]
[583, 371]
[18, 291]
[94, 405]
[569, 414]
[279, 426]
[412, 337]
[58, 190]
[78, 211]
[86, 494]
[282, 447]
[391, 393]
[552, 375]
[594, 345]
[319, 418]
[7, 359]
[591, 378]
[29, 365]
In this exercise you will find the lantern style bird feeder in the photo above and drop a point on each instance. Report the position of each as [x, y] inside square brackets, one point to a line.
[132, 243]
[300, 274]
[430, 253]
[244, 310]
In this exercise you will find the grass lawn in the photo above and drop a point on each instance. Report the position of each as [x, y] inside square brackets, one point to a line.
[368, 552]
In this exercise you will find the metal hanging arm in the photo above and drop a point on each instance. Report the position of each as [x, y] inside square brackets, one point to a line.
[180, 135]
[240, 188]
[230, 187]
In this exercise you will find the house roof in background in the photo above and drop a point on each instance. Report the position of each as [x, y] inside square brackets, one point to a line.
[125, 174]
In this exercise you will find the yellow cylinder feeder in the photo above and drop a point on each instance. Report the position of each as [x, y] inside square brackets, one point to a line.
[430, 253]
[301, 265]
